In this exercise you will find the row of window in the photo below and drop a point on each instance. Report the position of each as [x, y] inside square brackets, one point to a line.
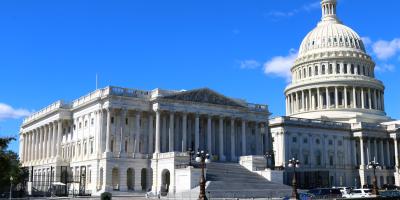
[318, 159]
[306, 72]
[335, 41]
[317, 141]
[69, 151]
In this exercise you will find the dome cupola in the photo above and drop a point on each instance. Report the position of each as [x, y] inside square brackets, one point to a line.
[333, 76]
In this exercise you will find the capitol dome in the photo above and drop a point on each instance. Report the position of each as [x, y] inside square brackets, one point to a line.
[333, 77]
[330, 35]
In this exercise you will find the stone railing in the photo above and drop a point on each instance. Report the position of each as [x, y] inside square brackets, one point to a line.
[87, 98]
[49, 109]
[172, 155]
[257, 107]
[119, 91]
[370, 126]
[333, 77]
[294, 120]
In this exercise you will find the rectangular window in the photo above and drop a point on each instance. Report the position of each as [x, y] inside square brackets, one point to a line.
[92, 121]
[91, 147]
[294, 139]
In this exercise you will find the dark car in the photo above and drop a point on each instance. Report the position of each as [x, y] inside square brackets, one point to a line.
[390, 194]
[303, 196]
[326, 192]
[389, 187]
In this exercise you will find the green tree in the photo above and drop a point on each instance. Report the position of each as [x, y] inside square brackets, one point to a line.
[10, 166]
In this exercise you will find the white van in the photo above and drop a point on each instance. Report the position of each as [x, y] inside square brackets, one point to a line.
[359, 193]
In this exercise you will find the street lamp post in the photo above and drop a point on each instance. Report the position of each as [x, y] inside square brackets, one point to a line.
[203, 158]
[295, 164]
[269, 155]
[11, 182]
[374, 165]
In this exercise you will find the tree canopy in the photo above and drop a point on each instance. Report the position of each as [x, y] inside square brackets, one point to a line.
[9, 165]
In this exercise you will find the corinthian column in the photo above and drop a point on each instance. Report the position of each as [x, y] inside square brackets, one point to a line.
[196, 132]
[221, 139]
[171, 135]
[233, 154]
[137, 132]
[158, 130]
[151, 134]
[184, 132]
[59, 137]
[209, 135]
[108, 132]
[244, 138]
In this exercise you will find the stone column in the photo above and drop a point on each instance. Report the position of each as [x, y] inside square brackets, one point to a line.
[345, 97]
[328, 99]
[151, 135]
[336, 98]
[233, 154]
[137, 132]
[221, 139]
[34, 145]
[196, 132]
[318, 99]
[362, 158]
[184, 132]
[303, 104]
[369, 153]
[396, 153]
[100, 138]
[310, 100]
[49, 140]
[353, 141]
[382, 156]
[244, 152]
[369, 98]
[164, 135]
[362, 98]
[42, 142]
[388, 158]
[158, 130]
[209, 147]
[375, 100]
[122, 131]
[108, 133]
[171, 130]
[354, 98]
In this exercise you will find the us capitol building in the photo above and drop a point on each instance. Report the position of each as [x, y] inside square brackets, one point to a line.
[119, 139]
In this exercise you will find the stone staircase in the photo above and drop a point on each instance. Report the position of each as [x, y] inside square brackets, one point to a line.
[231, 180]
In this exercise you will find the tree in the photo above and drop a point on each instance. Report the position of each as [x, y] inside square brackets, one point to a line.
[10, 166]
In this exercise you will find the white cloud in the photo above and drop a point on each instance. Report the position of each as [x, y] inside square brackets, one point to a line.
[386, 49]
[8, 112]
[384, 68]
[280, 65]
[249, 64]
[366, 40]
[305, 8]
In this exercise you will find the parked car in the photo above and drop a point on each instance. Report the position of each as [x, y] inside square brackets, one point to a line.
[326, 192]
[303, 196]
[390, 194]
[389, 187]
[359, 193]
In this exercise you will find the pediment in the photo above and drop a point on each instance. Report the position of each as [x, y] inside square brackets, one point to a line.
[204, 95]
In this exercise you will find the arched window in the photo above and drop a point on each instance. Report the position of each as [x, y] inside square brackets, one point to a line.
[352, 69]
[309, 71]
[323, 70]
[330, 71]
[316, 70]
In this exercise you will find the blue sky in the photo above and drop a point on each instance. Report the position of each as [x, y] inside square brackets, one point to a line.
[51, 50]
